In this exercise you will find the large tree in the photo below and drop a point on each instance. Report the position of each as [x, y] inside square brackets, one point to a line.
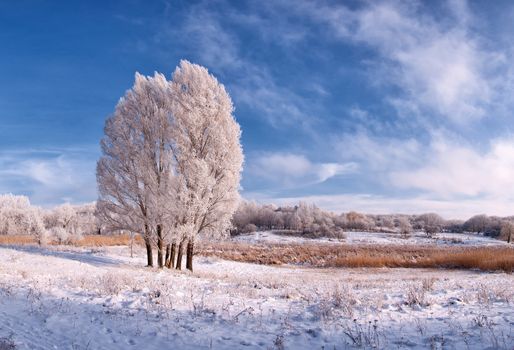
[171, 162]
[135, 170]
[207, 153]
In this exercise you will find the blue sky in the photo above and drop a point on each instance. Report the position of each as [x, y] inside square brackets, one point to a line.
[376, 106]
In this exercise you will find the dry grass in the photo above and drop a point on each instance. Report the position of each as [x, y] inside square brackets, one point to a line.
[17, 239]
[86, 241]
[103, 241]
[323, 255]
[330, 255]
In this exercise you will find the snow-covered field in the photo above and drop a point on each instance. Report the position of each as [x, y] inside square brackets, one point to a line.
[103, 299]
[417, 238]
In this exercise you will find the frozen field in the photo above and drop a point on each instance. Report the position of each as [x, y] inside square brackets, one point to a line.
[417, 238]
[103, 299]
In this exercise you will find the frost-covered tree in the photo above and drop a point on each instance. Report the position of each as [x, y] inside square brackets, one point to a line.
[134, 171]
[63, 216]
[207, 154]
[404, 226]
[431, 223]
[74, 220]
[19, 217]
[171, 161]
[358, 221]
[86, 220]
[246, 214]
[477, 223]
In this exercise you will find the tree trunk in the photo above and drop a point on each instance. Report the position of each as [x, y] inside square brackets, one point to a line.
[160, 246]
[149, 255]
[167, 258]
[173, 254]
[189, 255]
[179, 255]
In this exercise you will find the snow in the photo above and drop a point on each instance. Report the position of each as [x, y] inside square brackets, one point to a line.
[77, 298]
[382, 238]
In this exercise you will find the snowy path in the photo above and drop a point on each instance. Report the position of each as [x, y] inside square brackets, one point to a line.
[78, 299]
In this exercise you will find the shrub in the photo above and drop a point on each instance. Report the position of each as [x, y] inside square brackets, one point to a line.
[249, 228]
[60, 235]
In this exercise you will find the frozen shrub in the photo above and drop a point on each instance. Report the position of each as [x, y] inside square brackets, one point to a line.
[249, 228]
[63, 236]
[428, 283]
[75, 237]
[416, 296]
[112, 284]
[43, 238]
[19, 217]
[279, 342]
[7, 344]
[37, 228]
[60, 235]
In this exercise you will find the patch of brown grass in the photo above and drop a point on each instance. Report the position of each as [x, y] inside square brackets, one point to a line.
[17, 239]
[103, 241]
[343, 255]
[329, 255]
[86, 241]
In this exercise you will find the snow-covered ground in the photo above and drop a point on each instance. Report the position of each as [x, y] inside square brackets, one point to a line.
[417, 238]
[103, 299]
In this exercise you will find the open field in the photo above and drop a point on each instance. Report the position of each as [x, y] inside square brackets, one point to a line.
[486, 255]
[92, 298]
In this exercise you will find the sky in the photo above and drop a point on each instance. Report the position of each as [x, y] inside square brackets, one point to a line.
[374, 106]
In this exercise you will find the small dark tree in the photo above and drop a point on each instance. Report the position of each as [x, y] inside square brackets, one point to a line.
[507, 231]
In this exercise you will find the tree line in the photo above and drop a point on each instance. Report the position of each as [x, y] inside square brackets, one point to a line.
[308, 219]
[67, 224]
[64, 224]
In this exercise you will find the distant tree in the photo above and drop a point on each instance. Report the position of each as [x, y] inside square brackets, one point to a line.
[306, 214]
[507, 231]
[431, 223]
[387, 221]
[294, 222]
[358, 221]
[477, 223]
[19, 217]
[249, 228]
[456, 226]
[405, 227]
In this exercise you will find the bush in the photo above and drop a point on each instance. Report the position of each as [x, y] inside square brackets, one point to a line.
[249, 228]
[60, 235]
[43, 237]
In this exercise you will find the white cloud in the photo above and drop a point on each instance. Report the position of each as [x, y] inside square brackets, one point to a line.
[219, 47]
[453, 169]
[49, 177]
[296, 170]
[378, 153]
[441, 68]
[284, 164]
